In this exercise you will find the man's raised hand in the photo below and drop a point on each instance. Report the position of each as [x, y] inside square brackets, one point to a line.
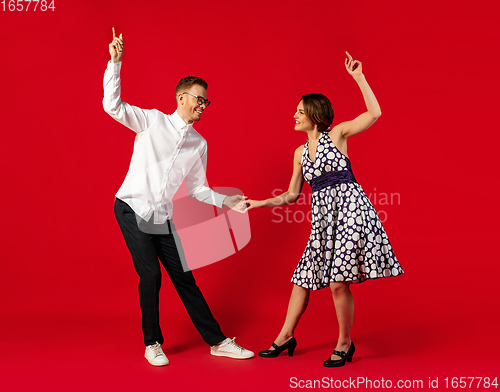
[116, 48]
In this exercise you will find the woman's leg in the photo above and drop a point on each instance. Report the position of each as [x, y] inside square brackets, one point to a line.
[296, 308]
[344, 307]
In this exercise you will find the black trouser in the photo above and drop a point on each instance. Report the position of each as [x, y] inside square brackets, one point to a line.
[146, 249]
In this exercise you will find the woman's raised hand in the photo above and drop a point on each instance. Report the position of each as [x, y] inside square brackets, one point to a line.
[116, 48]
[354, 67]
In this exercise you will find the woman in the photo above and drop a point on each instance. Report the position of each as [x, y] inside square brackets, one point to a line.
[347, 243]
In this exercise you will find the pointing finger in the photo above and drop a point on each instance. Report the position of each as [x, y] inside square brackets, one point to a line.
[114, 33]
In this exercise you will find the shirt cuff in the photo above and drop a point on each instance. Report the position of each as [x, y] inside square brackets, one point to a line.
[114, 67]
[219, 199]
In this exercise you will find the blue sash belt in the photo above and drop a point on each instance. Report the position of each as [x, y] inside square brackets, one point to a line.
[332, 178]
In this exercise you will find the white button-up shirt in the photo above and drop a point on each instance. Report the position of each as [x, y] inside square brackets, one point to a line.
[166, 150]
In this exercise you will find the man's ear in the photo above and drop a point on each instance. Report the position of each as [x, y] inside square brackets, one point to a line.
[180, 99]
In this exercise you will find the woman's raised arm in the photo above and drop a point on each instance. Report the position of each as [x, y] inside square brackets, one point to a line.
[373, 112]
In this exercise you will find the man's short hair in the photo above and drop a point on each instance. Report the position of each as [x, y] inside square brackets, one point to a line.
[187, 82]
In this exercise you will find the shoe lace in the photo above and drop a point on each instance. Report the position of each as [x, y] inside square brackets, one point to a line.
[156, 348]
[233, 344]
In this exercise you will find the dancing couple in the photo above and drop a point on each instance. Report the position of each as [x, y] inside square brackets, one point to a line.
[347, 245]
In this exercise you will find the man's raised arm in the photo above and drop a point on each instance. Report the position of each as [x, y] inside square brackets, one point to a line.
[132, 117]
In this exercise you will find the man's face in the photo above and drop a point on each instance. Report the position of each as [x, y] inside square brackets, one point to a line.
[188, 105]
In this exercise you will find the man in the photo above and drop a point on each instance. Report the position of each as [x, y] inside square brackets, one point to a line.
[167, 149]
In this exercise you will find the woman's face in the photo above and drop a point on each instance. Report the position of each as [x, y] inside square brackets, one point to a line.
[302, 123]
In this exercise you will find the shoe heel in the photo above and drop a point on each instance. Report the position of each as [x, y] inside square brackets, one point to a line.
[288, 346]
[291, 349]
[350, 353]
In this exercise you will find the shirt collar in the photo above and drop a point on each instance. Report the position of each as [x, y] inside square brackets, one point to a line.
[179, 122]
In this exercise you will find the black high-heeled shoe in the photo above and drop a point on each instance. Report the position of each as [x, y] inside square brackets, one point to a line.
[344, 357]
[290, 346]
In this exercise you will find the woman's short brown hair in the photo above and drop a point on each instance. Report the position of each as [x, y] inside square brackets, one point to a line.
[319, 110]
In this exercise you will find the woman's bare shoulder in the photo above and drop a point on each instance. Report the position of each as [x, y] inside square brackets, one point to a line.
[297, 157]
[298, 152]
[336, 134]
[299, 149]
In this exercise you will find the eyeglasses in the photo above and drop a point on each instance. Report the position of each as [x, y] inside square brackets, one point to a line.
[201, 100]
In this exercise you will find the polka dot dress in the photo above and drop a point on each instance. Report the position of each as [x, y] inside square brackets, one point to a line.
[347, 241]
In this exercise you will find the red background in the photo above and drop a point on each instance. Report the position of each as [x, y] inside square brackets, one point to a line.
[70, 315]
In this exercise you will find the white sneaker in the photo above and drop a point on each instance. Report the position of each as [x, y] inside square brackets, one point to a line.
[228, 348]
[155, 355]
